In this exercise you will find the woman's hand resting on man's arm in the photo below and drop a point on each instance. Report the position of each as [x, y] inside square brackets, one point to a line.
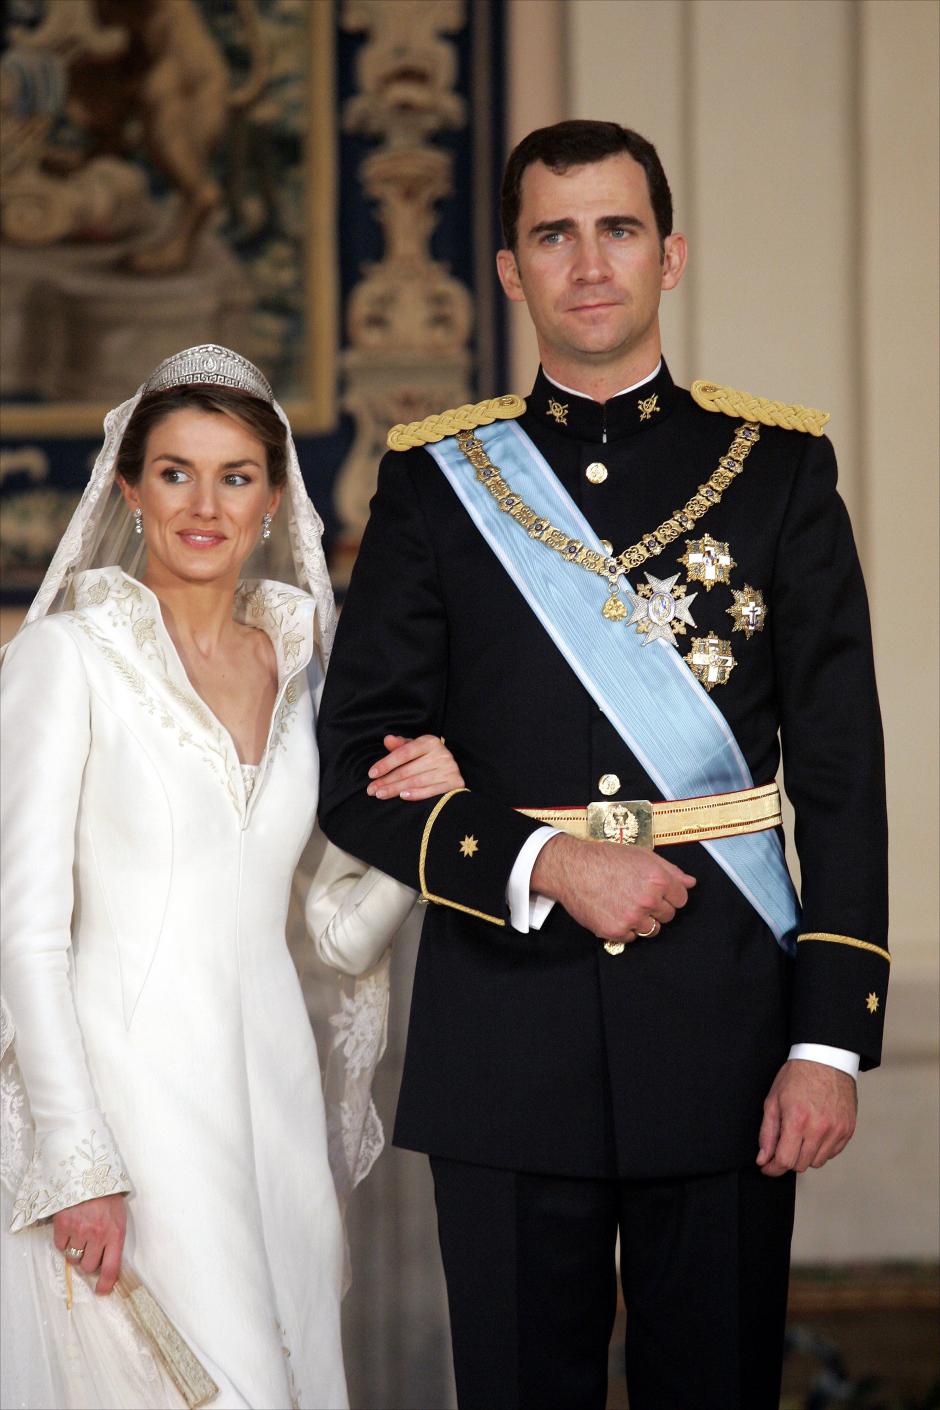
[96, 1226]
[414, 769]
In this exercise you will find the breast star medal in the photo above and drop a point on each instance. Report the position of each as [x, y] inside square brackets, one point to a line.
[661, 609]
[749, 610]
[707, 561]
[710, 660]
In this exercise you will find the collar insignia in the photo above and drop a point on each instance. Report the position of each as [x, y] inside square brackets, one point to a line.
[647, 405]
[558, 410]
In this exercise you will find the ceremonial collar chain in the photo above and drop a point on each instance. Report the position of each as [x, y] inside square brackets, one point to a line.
[606, 566]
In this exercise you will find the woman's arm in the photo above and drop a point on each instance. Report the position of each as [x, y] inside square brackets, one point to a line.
[45, 736]
[354, 911]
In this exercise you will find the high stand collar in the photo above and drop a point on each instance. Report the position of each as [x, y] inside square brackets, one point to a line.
[586, 420]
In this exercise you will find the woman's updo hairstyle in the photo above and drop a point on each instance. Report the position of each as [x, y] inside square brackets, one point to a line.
[256, 415]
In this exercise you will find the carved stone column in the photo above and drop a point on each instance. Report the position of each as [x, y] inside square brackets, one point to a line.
[408, 319]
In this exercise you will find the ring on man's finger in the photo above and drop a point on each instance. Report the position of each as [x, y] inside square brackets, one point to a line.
[645, 934]
[75, 1253]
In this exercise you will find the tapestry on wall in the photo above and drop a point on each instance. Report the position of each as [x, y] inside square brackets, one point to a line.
[306, 181]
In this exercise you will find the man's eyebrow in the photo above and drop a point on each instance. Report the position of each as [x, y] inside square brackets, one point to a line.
[615, 222]
[545, 227]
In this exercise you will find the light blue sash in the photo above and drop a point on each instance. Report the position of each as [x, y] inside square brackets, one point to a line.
[662, 713]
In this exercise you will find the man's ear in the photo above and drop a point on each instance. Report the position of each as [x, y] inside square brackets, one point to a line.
[675, 254]
[508, 271]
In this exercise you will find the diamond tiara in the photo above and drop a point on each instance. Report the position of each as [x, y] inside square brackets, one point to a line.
[211, 365]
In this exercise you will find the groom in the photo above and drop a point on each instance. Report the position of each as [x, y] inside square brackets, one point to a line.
[643, 1038]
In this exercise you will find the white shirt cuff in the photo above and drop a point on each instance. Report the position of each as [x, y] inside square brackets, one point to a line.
[528, 912]
[832, 1057]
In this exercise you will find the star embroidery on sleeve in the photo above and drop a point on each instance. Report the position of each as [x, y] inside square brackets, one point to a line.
[871, 1003]
[468, 846]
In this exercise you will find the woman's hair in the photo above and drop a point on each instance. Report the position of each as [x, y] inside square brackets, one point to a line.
[257, 416]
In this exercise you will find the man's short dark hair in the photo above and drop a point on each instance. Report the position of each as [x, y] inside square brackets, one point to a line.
[577, 143]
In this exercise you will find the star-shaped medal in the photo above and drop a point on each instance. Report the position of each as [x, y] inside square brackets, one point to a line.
[707, 561]
[710, 660]
[749, 611]
[660, 609]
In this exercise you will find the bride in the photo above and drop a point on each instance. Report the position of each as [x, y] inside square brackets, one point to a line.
[161, 1085]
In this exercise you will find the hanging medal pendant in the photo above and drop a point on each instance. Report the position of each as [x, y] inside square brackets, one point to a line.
[614, 609]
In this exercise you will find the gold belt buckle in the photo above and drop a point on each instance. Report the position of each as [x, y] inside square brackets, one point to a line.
[629, 822]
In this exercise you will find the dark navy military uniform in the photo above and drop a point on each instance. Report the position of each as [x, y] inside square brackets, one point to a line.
[641, 1076]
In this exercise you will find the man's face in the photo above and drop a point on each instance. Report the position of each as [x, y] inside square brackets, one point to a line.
[588, 262]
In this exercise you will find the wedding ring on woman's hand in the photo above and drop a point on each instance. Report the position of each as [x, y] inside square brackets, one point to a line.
[645, 934]
[75, 1253]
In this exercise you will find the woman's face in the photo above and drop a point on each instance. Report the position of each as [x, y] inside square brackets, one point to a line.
[203, 493]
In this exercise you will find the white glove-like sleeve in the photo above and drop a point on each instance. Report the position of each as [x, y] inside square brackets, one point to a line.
[353, 911]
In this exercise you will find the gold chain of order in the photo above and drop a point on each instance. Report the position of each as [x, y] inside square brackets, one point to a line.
[573, 550]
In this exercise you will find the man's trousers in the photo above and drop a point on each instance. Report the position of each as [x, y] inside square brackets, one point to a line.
[531, 1283]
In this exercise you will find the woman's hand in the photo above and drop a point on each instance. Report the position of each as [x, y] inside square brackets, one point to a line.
[414, 769]
[97, 1227]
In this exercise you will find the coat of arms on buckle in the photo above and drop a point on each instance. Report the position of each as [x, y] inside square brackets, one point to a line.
[628, 823]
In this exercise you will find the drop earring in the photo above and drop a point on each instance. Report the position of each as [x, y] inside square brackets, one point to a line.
[138, 521]
[266, 527]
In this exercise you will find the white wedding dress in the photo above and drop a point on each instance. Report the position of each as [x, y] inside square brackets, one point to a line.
[160, 1027]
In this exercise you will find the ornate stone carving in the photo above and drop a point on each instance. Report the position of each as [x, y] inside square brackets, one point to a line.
[408, 320]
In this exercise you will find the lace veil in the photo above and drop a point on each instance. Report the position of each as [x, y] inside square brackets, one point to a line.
[100, 534]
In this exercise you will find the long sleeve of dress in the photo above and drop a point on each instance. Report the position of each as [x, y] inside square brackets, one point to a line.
[353, 911]
[45, 738]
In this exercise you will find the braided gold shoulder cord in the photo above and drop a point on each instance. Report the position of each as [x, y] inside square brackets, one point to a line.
[573, 550]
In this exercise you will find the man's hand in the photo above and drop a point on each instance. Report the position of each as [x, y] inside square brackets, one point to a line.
[809, 1116]
[616, 892]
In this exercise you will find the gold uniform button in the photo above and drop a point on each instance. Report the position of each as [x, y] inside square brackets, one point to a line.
[608, 784]
[596, 472]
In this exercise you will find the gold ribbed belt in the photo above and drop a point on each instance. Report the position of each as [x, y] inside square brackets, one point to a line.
[639, 823]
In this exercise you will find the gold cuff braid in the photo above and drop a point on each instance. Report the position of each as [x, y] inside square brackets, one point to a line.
[406, 436]
[427, 895]
[790, 417]
[844, 940]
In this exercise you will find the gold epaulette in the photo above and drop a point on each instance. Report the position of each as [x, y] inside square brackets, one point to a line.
[714, 397]
[409, 434]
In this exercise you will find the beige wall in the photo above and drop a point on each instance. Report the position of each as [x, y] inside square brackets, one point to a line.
[800, 137]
